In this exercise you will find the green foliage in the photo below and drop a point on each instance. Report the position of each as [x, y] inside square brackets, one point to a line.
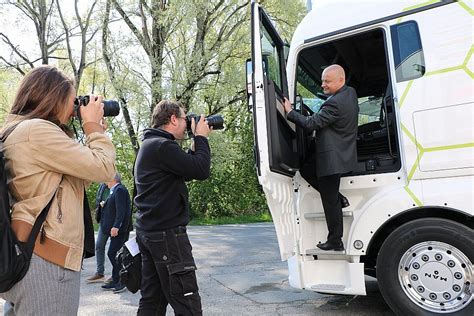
[232, 189]
[205, 46]
[263, 217]
[8, 82]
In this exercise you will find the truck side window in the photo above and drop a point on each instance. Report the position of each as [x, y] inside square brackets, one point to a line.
[308, 88]
[407, 51]
[271, 60]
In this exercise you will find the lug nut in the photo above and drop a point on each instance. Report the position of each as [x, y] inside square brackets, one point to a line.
[458, 275]
[425, 258]
[420, 289]
[456, 288]
[433, 296]
[438, 257]
[414, 277]
[416, 265]
[446, 296]
[451, 263]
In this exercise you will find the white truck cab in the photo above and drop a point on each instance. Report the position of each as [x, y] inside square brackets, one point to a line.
[411, 219]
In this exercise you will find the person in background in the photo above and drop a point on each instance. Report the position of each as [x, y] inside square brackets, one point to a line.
[43, 162]
[99, 276]
[114, 222]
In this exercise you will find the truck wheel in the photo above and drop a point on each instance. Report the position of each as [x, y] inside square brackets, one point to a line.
[425, 267]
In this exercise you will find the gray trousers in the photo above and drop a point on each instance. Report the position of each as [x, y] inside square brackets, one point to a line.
[47, 289]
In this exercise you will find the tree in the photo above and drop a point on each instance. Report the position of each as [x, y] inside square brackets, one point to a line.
[38, 12]
[113, 78]
[156, 23]
[190, 50]
[86, 37]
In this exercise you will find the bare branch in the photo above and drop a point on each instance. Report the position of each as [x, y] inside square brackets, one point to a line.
[68, 41]
[17, 67]
[144, 22]
[7, 41]
[132, 27]
[123, 104]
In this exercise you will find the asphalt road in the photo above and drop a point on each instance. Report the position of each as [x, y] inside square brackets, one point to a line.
[239, 273]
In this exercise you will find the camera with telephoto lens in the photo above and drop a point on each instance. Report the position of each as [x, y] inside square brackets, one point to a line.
[215, 121]
[111, 107]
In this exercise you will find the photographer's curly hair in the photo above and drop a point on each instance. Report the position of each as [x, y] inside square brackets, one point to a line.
[163, 111]
[43, 93]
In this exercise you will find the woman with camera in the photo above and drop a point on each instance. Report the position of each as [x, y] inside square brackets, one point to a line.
[44, 164]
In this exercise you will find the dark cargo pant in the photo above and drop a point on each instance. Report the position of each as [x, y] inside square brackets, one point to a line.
[168, 273]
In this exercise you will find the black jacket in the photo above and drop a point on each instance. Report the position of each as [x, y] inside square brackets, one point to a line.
[161, 170]
[336, 132]
[116, 211]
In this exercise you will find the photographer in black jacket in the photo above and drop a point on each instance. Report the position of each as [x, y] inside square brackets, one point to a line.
[161, 169]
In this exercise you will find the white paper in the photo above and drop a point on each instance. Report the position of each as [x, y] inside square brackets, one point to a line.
[132, 246]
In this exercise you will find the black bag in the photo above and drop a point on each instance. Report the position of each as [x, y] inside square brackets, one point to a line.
[14, 255]
[130, 269]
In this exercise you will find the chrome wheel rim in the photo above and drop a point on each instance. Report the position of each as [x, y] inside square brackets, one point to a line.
[436, 276]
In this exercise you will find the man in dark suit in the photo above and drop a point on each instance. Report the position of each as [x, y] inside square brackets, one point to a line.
[101, 241]
[336, 153]
[114, 222]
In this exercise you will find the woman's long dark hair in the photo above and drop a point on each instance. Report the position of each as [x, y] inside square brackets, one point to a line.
[43, 93]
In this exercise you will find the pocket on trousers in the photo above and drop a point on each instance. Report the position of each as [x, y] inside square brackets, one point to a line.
[183, 278]
[158, 246]
[185, 248]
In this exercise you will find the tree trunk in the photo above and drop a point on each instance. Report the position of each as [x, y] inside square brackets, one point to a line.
[115, 84]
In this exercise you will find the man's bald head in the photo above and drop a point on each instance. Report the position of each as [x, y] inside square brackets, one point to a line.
[333, 79]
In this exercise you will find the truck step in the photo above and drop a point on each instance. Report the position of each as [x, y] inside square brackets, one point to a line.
[317, 251]
[320, 216]
[328, 287]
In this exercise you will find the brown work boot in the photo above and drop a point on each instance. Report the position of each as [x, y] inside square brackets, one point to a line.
[96, 278]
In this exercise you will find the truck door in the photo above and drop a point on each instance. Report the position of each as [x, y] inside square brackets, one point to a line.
[275, 142]
[269, 74]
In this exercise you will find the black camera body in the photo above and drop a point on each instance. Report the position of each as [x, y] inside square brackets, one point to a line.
[215, 121]
[111, 107]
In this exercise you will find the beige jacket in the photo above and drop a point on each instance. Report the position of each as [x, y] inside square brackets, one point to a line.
[38, 154]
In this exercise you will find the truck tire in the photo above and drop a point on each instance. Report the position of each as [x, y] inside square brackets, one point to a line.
[425, 267]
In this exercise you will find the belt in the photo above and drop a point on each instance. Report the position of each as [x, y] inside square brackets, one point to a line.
[179, 229]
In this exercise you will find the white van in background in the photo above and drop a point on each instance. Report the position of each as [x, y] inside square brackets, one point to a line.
[411, 218]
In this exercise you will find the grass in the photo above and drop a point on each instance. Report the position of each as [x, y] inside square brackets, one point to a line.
[264, 217]
[244, 219]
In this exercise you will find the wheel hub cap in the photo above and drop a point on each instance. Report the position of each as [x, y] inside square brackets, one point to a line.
[436, 276]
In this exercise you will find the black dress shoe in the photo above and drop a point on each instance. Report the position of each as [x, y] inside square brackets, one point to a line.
[336, 246]
[344, 201]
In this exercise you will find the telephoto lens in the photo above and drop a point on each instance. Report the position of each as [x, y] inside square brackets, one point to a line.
[111, 107]
[215, 121]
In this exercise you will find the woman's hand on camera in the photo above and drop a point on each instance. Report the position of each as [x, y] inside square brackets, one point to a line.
[202, 127]
[94, 111]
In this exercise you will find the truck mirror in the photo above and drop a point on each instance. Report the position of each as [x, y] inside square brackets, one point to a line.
[298, 103]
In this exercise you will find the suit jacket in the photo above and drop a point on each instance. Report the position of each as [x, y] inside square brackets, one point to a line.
[116, 211]
[102, 194]
[336, 132]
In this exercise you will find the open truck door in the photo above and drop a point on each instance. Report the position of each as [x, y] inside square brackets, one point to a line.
[275, 143]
